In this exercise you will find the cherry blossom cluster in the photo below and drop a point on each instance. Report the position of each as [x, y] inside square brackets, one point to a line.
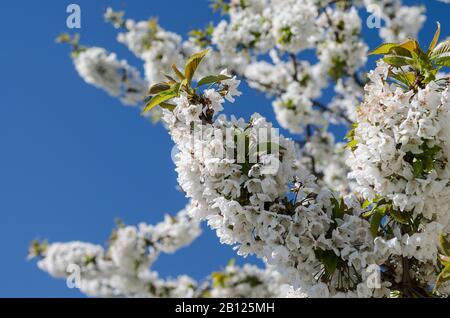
[321, 214]
[103, 70]
[247, 281]
[252, 29]
[401, 154]
[123, 269]
[321, 154]
[400, 21]
[248, 202]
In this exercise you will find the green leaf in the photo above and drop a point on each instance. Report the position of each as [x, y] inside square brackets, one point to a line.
[158, 88]
[177, 72]
[441, 48]
[184, 83]
[368, 214]
[231, 262]
[167, 106]
[435, 39]
[383, 49]
[417, 166]
[424, 59]
[338, 68]
[398, 61]
[407, 78]
[153, 25]
[170, 78]
[328, 259]
[445, 245]
[37, 249]
[120, 223]
[399, 217]
[443, 277]
[352, 145]
[63, 38]
[336, 212]
[443, 60]
[162, 97]
[366, 204]
[445, 260]
[219, 279]
[375, 223]
[410, 77]
[411, 45]
[212, 79]
[192, 64]
[286, 35]
[330, 262]
[339, 208]
[400, 51]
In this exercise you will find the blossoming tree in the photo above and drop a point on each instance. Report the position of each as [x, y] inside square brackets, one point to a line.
[366, 218]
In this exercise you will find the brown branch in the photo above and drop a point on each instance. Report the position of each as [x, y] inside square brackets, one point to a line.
[311, 157]
[294, 63]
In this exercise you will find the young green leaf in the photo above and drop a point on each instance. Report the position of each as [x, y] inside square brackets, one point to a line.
[418, 170]
[411, 45]
[399, 217]
[162, 97]
[366, 204]
[192, 64]
[167, 106]
[218, 279]
[170, 78]
[398, 61]
[383, 49]
[352, 145]
[375, 223]
[443, 60]
[330, 262]
[400, 51]
[212, 79]
[410, 77]
[368, 214]
[231, 262]
[407, 78]
[445, 260]
[63, 38]
[158, 88]
[435, 39]
[445, 245]
[441, 48]
[443, 277]
[177, 72]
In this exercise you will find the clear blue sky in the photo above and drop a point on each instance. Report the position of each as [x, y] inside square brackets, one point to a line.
[72, 159]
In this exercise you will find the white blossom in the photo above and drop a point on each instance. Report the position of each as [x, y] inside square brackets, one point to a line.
[104, 70]
[304, 206]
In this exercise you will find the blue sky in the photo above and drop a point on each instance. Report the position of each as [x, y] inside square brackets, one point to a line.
[72, 159]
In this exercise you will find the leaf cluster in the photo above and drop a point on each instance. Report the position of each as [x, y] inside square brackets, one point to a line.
[161, 93]
[411, 66]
